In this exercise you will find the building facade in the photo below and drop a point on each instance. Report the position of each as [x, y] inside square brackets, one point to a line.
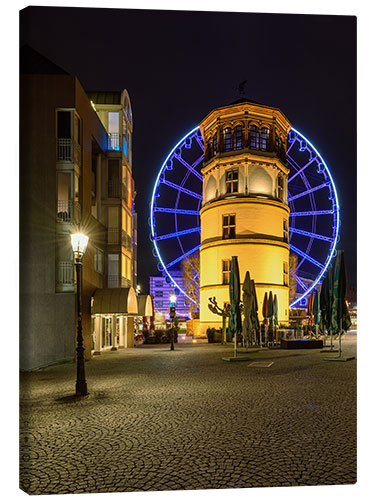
[75, 173]
[244, 209]
[161, 289]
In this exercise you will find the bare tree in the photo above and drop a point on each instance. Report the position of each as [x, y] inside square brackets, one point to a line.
[221, 311]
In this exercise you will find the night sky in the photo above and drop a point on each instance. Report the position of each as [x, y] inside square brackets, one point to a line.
[178, 66]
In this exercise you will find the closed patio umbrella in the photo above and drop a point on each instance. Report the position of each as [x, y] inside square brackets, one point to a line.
[254, 309]
[326, 300]
[270, 311]
[316, 310]
[247, 303]
[340, 320]
[234, 294]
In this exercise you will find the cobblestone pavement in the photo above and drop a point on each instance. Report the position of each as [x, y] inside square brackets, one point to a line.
[162, 420]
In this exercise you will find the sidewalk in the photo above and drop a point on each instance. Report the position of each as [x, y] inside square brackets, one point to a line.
[157, 419]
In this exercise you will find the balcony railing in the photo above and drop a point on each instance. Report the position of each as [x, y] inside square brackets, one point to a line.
[65, 273]
[114, 189]
[68, 211]
[68, 150]
[114, 141]
[126, 240]
[113, 236]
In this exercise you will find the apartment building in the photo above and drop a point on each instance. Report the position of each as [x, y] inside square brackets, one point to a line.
[75, 172]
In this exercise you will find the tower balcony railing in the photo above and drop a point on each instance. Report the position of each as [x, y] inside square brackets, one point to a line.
[114, 189]
[114, 141]
[68, 211]
[68, 150]
[126, 240]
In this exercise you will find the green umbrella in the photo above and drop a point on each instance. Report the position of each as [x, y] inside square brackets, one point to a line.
[247, 303]
[270, 313]
[316, 310]
[265, 307]
[275, 310]
[326, 300]
[254, 307]
[235, 321]
[340, 320]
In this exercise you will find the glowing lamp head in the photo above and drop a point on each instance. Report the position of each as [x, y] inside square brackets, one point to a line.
[173, 298]
[79, 243]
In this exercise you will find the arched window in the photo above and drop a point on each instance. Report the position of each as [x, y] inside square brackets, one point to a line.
[277, 143]
[237, 137]
[214, 144]
[227, 139]
[280, 187]
[254, 137]
[264, 139]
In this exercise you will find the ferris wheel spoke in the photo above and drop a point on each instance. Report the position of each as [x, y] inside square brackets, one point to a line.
[189, 167]
[182, 257]
[182, 189]
[301, 169]
[310, 235]
[191, 281]
[200, 143]
[308, 191]
[177, 233]
[198, 161]
[299, 281]
[310, 213]
[178, 211]
[305, 256]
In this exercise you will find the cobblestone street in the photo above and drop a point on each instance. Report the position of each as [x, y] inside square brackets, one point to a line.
[161, 420]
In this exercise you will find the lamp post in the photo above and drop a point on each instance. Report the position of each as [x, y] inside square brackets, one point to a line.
[172, 315]
[79, 245]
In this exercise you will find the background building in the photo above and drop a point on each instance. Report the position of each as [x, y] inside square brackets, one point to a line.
[75, 172]
[161, 289]
[244, 208]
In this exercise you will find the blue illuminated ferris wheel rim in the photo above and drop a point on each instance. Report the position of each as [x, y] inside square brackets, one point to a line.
[193, 133]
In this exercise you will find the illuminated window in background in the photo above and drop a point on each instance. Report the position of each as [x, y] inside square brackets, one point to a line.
[237, 137]
[113, 130]
[280, 187]
[231, 181]
[98, 260]
[227, 139]
[285, 274]
[229, 226]
[285, 230]
[264, 139]
[214, 144]
[225, 271]
[254, 137]
[158, 293]
[124, 137]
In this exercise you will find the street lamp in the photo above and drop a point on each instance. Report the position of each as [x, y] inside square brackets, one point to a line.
[79, 245]
[172, 315]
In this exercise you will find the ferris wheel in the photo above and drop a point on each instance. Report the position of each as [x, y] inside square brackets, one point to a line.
[314, 217]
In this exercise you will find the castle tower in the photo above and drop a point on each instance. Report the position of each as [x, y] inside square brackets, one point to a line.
[245, 204]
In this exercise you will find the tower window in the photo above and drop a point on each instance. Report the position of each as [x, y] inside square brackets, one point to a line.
[285, 230]
[229, 226]
[280, 187]
[227, 139]
[285, 274]
[277, 143]
[264, 139]
[214, 144]
[231, 181]
[225, 271]
[237, 139]
[254, 137]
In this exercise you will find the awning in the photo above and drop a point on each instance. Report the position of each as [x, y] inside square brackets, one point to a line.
[144, 305]
[115, 301]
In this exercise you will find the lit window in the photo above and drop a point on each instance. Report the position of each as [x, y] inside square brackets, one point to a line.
[280, 187]
[231, 181]
[158, 293]
[285, 230]
[285, 274]
[254, 137]
[98, 260]
[229, 226]
[237, 139]
[225, 274]
[264, 139]
[277, 143]
[227, 139]
[214, 144]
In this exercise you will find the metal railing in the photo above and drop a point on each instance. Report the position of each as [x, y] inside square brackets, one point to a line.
[113, 237]
[68, 211]
[114, 189]
[114, 141]
[65, 273]
[68, 150]
[126, 240]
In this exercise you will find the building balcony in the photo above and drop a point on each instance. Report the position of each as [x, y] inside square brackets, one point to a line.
[65, 276]
[115, 281]
[68, 150]
[114, 141]
[68, 211]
